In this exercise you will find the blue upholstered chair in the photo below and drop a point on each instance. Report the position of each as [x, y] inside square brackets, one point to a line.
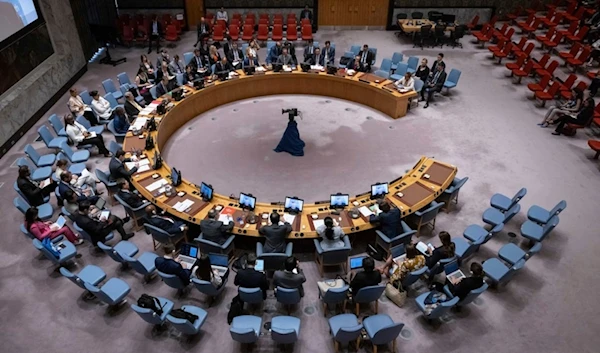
[75, 168]
[150, 316]
[85, 97]
[74, 156]
[537, 233]
[111, 128]
[400, 71]
[386, 65]
[285, 329]
[332, 257]
[179, 78]
[137, 214]
[113, 103]
[396, 58]
[187, 57]
[91, 274]
[250, 295]
[98, 129]
[438, 312]
[413, 277]
[345, 328]
[368, 295]
[451, 193]
[173, 282]
[381, 329]
[66, 254]
[288, 297]
[245, 329]
[38, 159]
[114, 146]
[57, 125]
[50, 140]
[153, 92]
[334, 296]
[355, 49]
[270, 44]
[381, 73]
[37, 174]
[143, 264]
[159, 236]
[493, 216]
[350, 55]
[18, 191]
[109, 87]
[273, 261]
[542, 216]
[186, 327]
[473, 294]
[439, 267]
[45, 211]
[208, 289]
[207, 246]
[374, 51]
[123, 247]
[452, 79]
[464, 248]
[426, 215]
[412, 62]
[498, 272]
[86, 236]
[123, 78]
[478, 234]
[503, 203]
[404, 238]
[27, 233]
[111, 186]
[113, 292]
[511, 253]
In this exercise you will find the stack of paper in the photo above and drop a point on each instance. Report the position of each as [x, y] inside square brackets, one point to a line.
[365, 211]
[139, 123]
[140, 163]
[260, 69]
[289, 218]
[316, 67]
[156, 185]
[225, 218]
[318, 222]
[183, 205]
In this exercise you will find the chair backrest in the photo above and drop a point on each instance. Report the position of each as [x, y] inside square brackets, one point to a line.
[187, 57]
[401, 69]
[21, 161]
[348, 54]
[416, 15]
[355, 49]
[83, 121]
[369, 294]
[66, 149]
[534, 250]
[548, 227]
[454, 76]
[430, 212]
[182, 325]
[413, 62]
[171, 280]
[82, 232]
[382, 73]
[179, 79]
[32, 154]
[386, 65]
[205, 287]
[397, 57]
[85, 97]
[109, 86]
[55, 122]
[243, 335]
[38, 245]
[511, 213]
[348, 333]
[518, 196]
[418, 85]
[124, 79]
[112, 100]
[288, 296]
[284, 336]
[112, 253]
[111, 128]
[387, 334]
[153, 92]
[336, 295]
[158, 234]
[46, 135]
[98, 293]
[336, 255]
[250, 295]
[21, 204]
[558, 208]
[72, 277]
[473, 294]
[413, 276]
[147, 315]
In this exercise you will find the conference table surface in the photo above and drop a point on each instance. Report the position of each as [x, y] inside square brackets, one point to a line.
[410, 192]
[412, 25]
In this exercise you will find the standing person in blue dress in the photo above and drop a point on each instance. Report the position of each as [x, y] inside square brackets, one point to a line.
[290, 141]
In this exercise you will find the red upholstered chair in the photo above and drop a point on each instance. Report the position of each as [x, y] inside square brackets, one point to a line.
[263, 32]
[548, 71]
[508, 35]
[518, 47]
[237, 16]
[263, 21]
[557, 20]
[592, 75]
[535, 87]
[278, 16]
[167, 19]
[547, 95]
[234, 31]
[221, 23]
[236, 22]
[177, 25]
[250, 17]
[171, 34]
[250, 21]
[512, 16]
[485, 35]
[527, 22]
[503, 53]
[248, 32]
[292, 33]
[498, 47]
[304, 21]
[516, 65]
[501, 31]
[578, 37]
[569, 16]
[570, 8]
[522, 72]
[529, 29]
[539, 65]
[307, 32]
[571, 129]
[278, 21]
[571, 29]
[579, 59]
[209, 17]
[218, 33]
[473, 22]
[595, 146]
[263, 16]
[567, 94]
[277, 33]
[527, 51]
[128, 36]
[142, 34]
[546, 36]
[551, 44]
[571, 53]
[291, 15]
[553, 5]
[548, 18]
[568, 84]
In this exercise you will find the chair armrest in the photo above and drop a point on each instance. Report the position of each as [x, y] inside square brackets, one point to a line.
[208, 242]
[288, 249]
[405, 227]
[346, 240]
[142, 206]
[228, 242]
[404, 235]
[383, 236]
[259, 249]
[447, 292]
[318, 246]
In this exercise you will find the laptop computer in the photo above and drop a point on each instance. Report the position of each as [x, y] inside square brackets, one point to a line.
[259, 265]
[219, 262]
[453, 273]
[188, 254]
[356, 262]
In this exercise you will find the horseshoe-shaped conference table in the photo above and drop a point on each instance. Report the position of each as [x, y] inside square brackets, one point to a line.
[410, 192]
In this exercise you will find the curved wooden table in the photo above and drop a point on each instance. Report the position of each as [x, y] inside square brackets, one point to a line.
[417, 190]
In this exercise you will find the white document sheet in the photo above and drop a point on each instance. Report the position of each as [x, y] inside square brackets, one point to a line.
[156, 185]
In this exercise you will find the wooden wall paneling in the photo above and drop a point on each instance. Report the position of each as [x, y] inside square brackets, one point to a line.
[194, 10]
[327, 12]
[378, 12]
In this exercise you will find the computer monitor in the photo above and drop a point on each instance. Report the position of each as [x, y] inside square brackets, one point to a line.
[451, 267]
[175, 177]
[247, 201]
[219, 259]
[435, 17]
[293, 205]
[379, 190]
[305, 67]
[339, 200]
[177, 94]
[199, 83]
[250, 70]
[277, 67]
[356, 262]
[448, 19]
[206, 191]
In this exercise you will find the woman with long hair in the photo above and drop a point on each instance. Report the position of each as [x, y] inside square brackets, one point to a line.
[213, 55]
[147, 65]
[412, 262]
[331, 234]
[41, 229]
[573, 105]
[203, 270]
[445, 251]
[583, 118]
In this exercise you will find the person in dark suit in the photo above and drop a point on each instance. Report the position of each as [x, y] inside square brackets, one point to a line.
[328, 54]
[203, 30]
[440, 60]
[355, 65]
[366, 57]
[214, 230]
[250, 278]
[582, 118]
[306, 13]
[235, 55]
[466, 285]
[199, 63]
[170, 265]
[445, 251]
[99, 229]
[292, 277]
[132, 199]
[291, 50]
[274, 53]
[228, 45]
[165, 86]
[154, 32]
[163, 222]
[223, 66]
[164, 71]
[285, 58]
[250, 60]
[117, 168]
[65, 184]
[423, 70]
[317, 58]
[309, 50]
[31, 189]
[190, 75]
[365, 278]
[132, 108]
[434, 84]
[388, 219]
[275, 234]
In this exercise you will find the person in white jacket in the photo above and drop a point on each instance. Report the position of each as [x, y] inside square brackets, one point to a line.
[101, 106]
[79, 135]
[406, 83]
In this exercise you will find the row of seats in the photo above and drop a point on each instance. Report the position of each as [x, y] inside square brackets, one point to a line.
[262, 33]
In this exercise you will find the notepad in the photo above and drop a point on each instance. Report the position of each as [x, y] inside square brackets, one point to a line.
[143, 168]
[318, 222]
[225, 218]
[156, 185]
[289, 218]
[422, 247]
[183, 205]
[365, 211]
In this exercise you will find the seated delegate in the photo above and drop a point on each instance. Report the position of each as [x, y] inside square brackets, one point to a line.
[445, 251]
[406, 83]
[203, 270]
[422, 71]
[132, 108]
[388, 219]
[214, 230]
[366, 58]
[356, 65]
[165, 86]
[71, 204]
[292, 277]
[99, 229]
[169, 264]
[86, 179]
[223, 67]
[365, 278]
[328, 54]
[331, 234]
[190, 75]
[101, 106]
[164, 71]
[412, 262]
[583, 118]
[250, 278]
[163, 222]
[465, 285]
[79, 135]
[64, 184]
[117, 169]
[285, 58]
[31, 189]
[176, 65]
[316, 58]
[41, 229]
[435, 83]
[121, 121]
[142, 81]
[250, 59]
[78, 107]
[275, 234]
[573, 105]
[309, 50]
[274, 53]
[132, 199]
[235, 56]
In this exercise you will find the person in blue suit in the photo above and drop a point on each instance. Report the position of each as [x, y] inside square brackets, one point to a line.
[290, 141]
[82, 195]
[169, 265]
[388, 219]
[121, 121]
[274, 53]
